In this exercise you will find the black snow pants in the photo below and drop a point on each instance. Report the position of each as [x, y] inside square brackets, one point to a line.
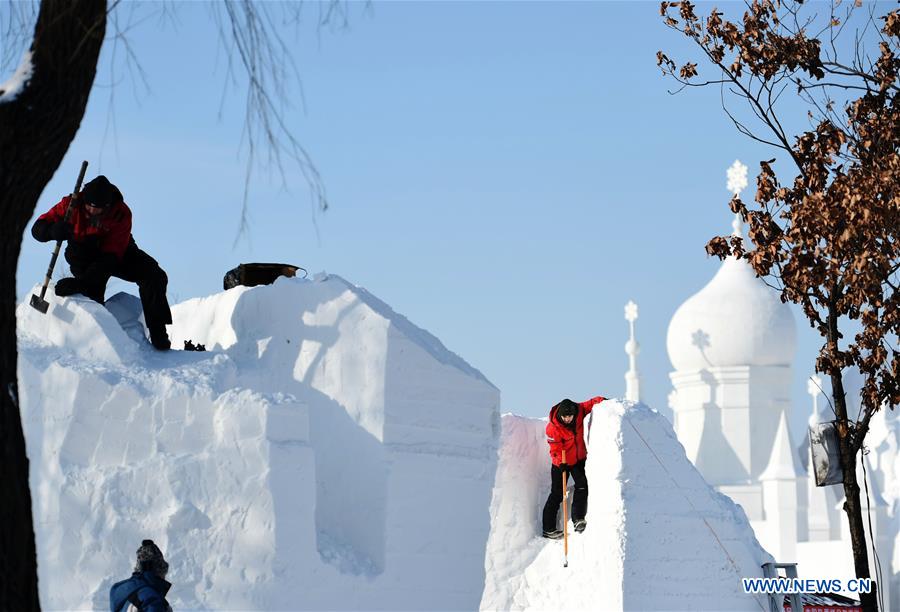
[579, 502]
[94, 270]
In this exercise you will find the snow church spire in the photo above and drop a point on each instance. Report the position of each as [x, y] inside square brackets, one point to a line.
[632, 348]
[814, 388]
[737, 182]
[732, 346]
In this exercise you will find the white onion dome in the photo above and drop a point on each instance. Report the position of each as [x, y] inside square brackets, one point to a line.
[735, 320]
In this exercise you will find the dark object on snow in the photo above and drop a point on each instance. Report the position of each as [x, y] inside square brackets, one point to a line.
[253, 274]
[159, 338]
[101, 193]
[190, 346]
[826, 455]
[555, 534]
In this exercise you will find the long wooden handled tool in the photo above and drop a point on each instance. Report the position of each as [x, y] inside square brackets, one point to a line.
[38, 302]
[565, 516]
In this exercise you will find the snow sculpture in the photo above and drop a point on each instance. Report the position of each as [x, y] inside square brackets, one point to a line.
[658, 536]
[324, 453]
[732, 345]
[632, 348]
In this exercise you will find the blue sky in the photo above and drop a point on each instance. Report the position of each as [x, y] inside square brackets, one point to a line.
[507, 175]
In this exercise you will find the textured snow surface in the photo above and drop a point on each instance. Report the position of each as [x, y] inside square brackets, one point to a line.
[324, 454]
[658, 536]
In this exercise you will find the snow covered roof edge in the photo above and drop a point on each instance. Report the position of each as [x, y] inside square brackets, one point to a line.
[425, 339]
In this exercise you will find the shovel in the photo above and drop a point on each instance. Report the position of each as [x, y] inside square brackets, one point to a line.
[565, 516]
[38, 302]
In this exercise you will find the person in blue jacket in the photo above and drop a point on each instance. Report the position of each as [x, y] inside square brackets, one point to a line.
[146, 589]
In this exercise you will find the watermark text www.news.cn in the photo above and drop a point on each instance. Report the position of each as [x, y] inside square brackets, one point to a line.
[786, 586]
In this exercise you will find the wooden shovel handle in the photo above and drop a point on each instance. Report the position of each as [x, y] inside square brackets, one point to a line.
[55, 256]
[565, 510]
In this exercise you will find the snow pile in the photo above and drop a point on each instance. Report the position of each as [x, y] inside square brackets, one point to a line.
[325, 452]
[658, 536]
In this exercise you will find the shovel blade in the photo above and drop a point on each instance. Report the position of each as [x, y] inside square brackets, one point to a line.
[39, 304]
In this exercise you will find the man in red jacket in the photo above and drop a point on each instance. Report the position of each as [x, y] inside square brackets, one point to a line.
[100, 245]
[565, 433]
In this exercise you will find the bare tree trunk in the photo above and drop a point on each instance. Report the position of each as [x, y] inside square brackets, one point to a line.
[36, 129]
[852, 505]
[18, 568]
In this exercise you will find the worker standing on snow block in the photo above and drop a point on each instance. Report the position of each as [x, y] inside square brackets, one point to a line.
[565, 434]
[146, 589]
[100, 245]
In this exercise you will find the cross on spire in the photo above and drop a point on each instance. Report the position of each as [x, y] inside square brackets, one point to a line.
[737, 182]
[631, 313]
[737, 177]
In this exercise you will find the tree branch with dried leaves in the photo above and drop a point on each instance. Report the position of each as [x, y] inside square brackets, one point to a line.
[830, 234]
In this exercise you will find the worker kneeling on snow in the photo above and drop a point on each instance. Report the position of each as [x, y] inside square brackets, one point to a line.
[565, 434]
[100, 245]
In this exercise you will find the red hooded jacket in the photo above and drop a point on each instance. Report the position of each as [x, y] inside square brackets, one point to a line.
[569, 437]
[111, 228]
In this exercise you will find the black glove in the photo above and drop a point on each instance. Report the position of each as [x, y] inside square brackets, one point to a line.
[61, 230]
[68, 286]
[41, 230]
[565, 467]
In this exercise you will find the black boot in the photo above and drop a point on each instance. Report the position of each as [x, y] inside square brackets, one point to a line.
[159, 338]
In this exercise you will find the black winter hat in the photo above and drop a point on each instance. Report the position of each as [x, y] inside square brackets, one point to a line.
[150, 559]
[100, 192]
[567, 408]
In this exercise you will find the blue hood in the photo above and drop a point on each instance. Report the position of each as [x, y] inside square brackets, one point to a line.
[150, 589]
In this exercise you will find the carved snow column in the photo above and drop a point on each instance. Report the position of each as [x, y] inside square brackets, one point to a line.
[784, 496]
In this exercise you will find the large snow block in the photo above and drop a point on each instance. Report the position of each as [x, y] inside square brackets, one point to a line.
[658, 537]
[218, 480]
[404, 433]
[324, 454]
[77, 325]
